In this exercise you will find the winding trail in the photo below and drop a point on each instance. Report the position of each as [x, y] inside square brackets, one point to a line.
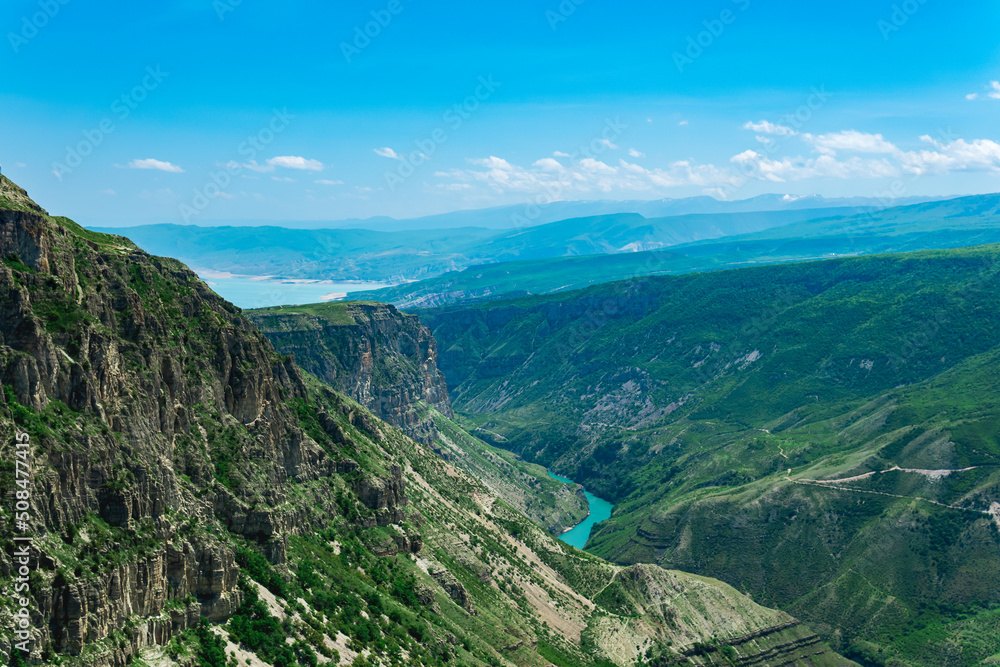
[993, 512]
[932, 475]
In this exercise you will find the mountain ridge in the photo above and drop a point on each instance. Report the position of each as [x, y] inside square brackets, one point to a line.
[357, 254]
[965, 221]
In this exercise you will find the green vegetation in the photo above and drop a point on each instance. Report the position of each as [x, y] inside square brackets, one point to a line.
[211, 649]
[526, 486]
[14, 262]
[705, 405]
[335, 313]
[99, 238]
[258, 569]
[255, 627]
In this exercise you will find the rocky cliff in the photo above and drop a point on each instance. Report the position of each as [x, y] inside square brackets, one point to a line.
[196, 499]
[387, 360]
[136, 383]
[380, 357]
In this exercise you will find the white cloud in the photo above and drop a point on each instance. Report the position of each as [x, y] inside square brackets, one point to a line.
[295, 162]
[682, 123]
[588, 175]
[548, 164]
[958, 155]
[844, 155]
[992, 92]
[607, 142]
[324, 181]
[387, 152]
[850, 141]
[109, 192]
[21, 165]
[252, 165]
[493, 162]
[283, 179]
[560, 154]
[752, 165]
[634, 153]
[158, 165]
[767, 127]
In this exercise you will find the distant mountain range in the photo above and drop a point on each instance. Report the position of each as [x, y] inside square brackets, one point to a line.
[360, 254]
[511, 217]
[527, 213]
[953, 223]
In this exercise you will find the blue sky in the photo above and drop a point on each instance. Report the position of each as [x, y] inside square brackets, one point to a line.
[225, 110]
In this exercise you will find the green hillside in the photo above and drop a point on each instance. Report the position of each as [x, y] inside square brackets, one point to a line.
[713, 407]
[955, 223]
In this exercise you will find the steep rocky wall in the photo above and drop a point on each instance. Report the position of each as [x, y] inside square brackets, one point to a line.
[384, 359]
[141, 375]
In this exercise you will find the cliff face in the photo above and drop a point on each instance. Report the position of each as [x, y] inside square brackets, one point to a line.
[380, 357]
[132, 380]
[387, 360]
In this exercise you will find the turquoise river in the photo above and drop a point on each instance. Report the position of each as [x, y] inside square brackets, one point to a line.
[600, 509]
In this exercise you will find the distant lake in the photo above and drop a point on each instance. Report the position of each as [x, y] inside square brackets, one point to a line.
[254, 292]
[600, 509]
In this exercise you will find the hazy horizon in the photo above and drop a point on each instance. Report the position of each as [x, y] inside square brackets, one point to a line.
[227, 110]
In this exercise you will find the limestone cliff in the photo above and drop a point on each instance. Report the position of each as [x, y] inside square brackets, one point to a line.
[380, 357]
[136, 383]
[387, 360]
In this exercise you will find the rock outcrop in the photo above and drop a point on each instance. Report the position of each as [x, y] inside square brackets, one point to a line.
[382, 358]
[137, 385]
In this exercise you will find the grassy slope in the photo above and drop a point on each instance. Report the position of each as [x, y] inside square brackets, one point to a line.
[687, 400]
[527, 487]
